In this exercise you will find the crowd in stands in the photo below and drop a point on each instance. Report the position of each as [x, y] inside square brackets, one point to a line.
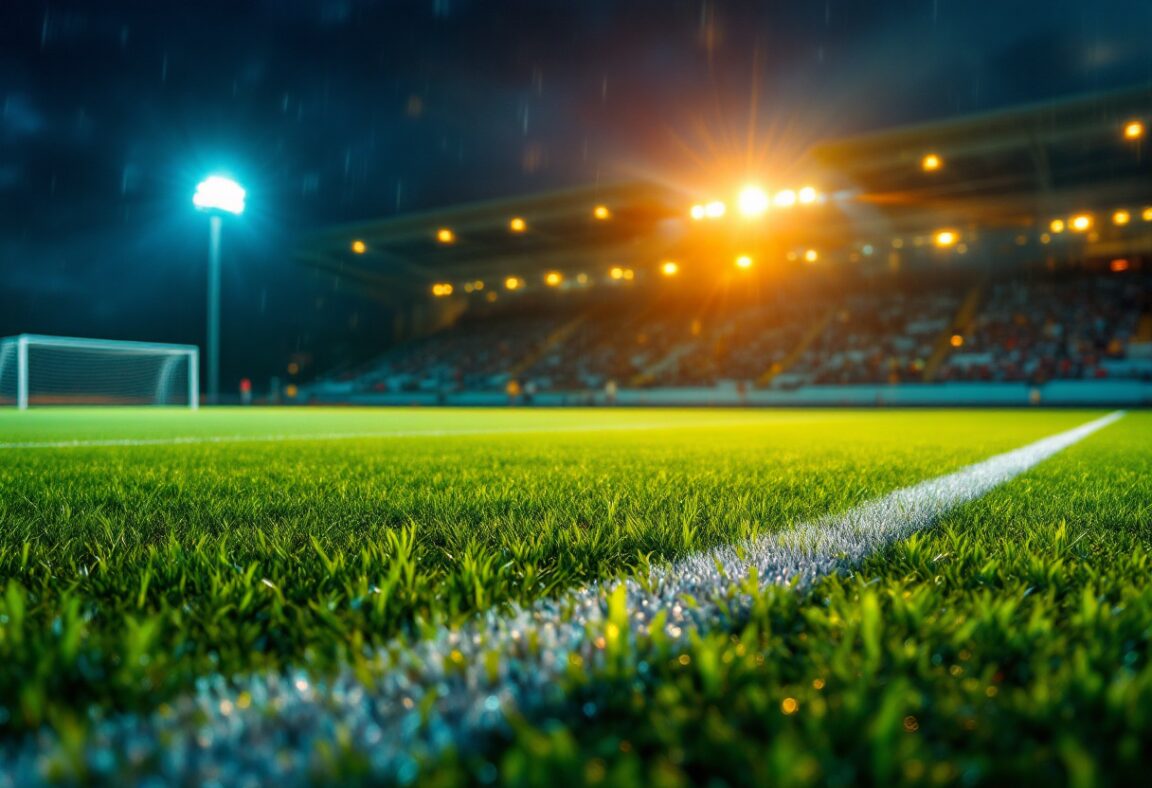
[1046, 330]
[878, 338]
[604, 345]
[476, 354]
[1020, 330]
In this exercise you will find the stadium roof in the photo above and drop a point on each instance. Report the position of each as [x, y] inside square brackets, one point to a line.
[1010, 172]
[1003, 167]
[561, 229]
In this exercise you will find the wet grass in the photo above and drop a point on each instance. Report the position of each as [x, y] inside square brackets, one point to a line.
[1010, 643]
[130, 571]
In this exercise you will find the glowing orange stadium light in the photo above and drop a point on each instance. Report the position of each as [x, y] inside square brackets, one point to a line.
[616, 273]
[359, 247]
[582, 278]
[931, 162]
[811, 256]
[1118, 266]
[1147, 215]
[517, 225]
[785, 198]
[478, 285]
[752, 201]
[512, 283]
[601, 212]
[1057, 226]
[956, 341]
[715, 209]
[1134, 130]
[744, 261]
[670, 268]
[1081, 223]
[808, 195]
[697, 212]
[1121, 218]
[946, 238]
[441, 289]
[629, 274]
[553, 279]
[445, 236]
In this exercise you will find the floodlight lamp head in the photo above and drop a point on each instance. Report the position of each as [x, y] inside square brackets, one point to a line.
[219, 194]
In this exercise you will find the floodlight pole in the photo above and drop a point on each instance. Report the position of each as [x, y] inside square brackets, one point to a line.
[214, 224]
[217, 195]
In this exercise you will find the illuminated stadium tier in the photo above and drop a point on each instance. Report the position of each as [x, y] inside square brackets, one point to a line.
[1025, 330]
[886, 258]
[40, 370]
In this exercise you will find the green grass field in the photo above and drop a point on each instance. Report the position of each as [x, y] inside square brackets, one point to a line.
[143, 551]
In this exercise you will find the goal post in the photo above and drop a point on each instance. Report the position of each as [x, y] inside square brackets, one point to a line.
[45, 370]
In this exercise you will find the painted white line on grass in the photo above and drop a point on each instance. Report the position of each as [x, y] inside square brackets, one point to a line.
[445, 692]
[191, 440]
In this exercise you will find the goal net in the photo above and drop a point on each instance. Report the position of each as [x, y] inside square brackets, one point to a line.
[41, 370]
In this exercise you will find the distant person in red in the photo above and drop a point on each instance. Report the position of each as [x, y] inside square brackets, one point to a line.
[245, 391]
[512, 389]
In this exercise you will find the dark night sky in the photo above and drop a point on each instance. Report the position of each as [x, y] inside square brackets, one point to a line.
[338, 110]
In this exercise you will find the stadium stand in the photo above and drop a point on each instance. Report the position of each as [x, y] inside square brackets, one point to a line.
[1019, 261]
[877, 338]
[1032, 329]
[476, 354]
[1047, 330]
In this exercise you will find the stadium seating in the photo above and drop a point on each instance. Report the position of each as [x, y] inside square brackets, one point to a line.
[1050, 330]
[878, 338]
[1027, 329]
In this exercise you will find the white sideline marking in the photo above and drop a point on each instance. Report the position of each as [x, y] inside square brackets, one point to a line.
[438, 433]
[428, 701]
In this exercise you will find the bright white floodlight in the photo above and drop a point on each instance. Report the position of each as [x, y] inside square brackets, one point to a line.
[217, 193]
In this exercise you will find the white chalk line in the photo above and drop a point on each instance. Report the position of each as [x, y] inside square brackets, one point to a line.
[443, 693]
[191, 440]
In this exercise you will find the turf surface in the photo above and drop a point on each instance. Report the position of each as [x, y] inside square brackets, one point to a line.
[1013, 635]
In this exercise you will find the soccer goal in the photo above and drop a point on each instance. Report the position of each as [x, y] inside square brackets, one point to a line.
[43, 370]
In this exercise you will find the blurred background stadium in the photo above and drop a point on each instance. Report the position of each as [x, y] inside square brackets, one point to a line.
[999, 258]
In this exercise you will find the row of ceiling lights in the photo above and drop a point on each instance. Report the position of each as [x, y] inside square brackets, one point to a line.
[667, 268]
[1083, 222]
[517, 224]
[754, 201]
[942, 239]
